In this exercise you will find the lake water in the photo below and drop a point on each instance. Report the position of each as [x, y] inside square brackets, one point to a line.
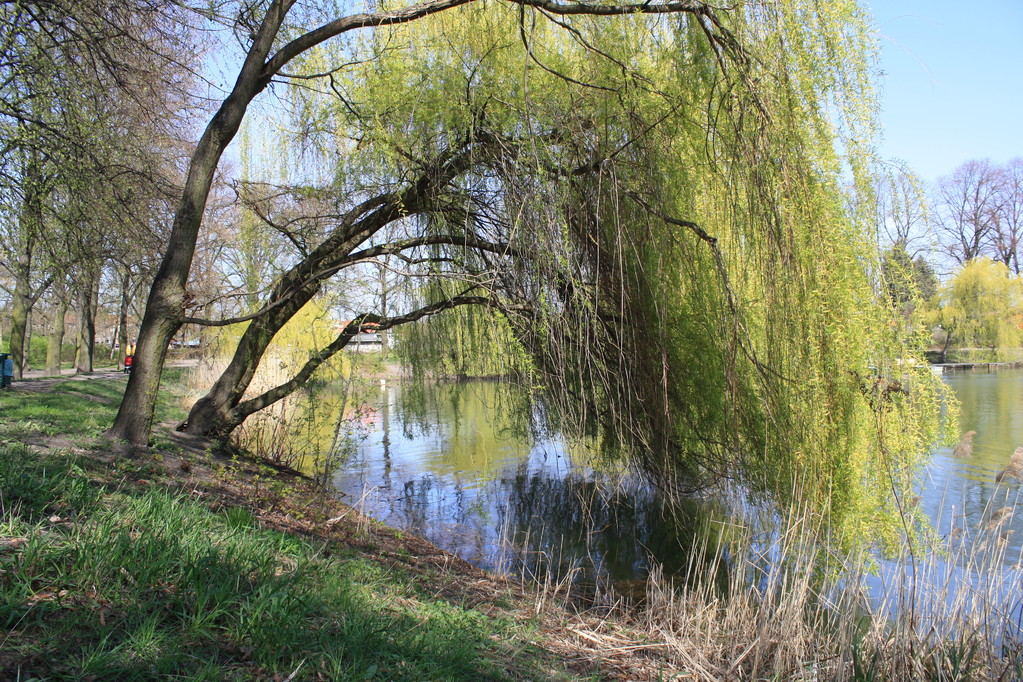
[451, 470]
[959, 494]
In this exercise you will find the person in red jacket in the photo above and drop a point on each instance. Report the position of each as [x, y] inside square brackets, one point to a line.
[129, 357]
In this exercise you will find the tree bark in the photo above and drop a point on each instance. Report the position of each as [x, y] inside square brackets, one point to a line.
[165, 306]
[27, 349]
[302, 282]
[88, 300]
[231, 418]
[19, 313]
[210, 411]
[384, 340]
[55, 338]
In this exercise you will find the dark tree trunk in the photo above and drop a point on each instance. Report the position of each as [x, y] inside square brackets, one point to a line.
[27, 349]
[165, 306]
[229, 418]
[209, 412]
[384, 340]
[88, 299]
[19, 312]
[212, 414]
[55, 338]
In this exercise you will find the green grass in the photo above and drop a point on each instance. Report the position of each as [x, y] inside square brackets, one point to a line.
[103, 580]
[78, 409]
[124, 584]
[72, 409]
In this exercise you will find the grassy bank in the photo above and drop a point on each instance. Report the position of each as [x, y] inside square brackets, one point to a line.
[188, 566]
[191, 565]
[117, 582]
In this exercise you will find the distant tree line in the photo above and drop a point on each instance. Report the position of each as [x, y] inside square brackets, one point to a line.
[968, 226]
[91, 97]
[978, 211]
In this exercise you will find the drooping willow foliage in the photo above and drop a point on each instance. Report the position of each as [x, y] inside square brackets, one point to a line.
[685, 206]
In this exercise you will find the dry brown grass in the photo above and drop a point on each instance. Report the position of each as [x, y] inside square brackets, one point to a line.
[780, 617]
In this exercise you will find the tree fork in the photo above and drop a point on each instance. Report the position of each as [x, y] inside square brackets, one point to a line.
[303, 281]
[164, 308]
[164, 311]
[229, 388]
[239, 412]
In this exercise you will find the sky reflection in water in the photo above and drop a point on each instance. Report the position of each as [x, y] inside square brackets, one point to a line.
[449, 469]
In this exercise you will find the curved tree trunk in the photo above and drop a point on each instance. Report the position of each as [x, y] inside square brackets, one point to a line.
[165, 306]
[230, 416]
[210, 412]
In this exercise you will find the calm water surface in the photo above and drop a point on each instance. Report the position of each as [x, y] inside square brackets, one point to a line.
[452, 471]
[959, 494]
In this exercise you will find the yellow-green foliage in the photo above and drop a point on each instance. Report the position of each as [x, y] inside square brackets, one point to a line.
[982, 306]
[288, 432]
[756, 346]
[467, 342]
[311, 329]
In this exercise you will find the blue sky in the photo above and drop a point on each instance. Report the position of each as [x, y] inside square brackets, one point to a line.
[952, 84]
[952, 88]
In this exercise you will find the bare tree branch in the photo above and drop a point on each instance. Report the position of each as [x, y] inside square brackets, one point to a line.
[359, 324]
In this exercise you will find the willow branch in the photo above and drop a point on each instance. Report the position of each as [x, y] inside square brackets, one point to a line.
[395, 248]
[350, 23]
[374, 19]
[363, 322]
[333, 254]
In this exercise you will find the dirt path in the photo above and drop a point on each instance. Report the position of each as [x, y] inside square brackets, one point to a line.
[38, 381]
[47, 382]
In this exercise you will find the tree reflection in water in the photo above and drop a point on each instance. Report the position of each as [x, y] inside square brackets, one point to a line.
[456, 471]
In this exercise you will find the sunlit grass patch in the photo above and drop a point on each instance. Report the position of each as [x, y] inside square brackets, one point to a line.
[78, 409]
[72, 409]
[141, 584]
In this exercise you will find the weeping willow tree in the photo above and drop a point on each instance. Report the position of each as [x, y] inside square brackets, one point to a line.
[981, 308]
[669, 214]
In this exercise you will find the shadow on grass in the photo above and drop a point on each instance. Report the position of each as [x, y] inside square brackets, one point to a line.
[77, 409]
[150, 584]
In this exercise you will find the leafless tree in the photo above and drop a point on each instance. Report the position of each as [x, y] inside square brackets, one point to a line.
[902, 210]
[1008, 215]
[966, 206]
